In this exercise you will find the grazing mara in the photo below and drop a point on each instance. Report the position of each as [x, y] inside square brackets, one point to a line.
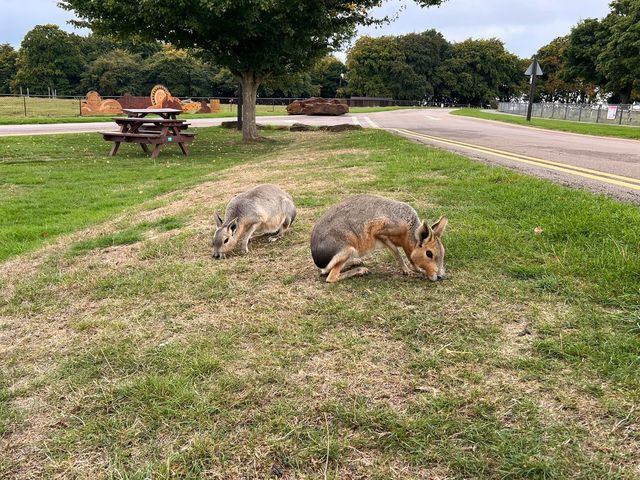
[263, 210]
[365, 223]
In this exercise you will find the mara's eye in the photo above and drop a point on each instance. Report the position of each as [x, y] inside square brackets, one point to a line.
[429, 254]
[226, 240]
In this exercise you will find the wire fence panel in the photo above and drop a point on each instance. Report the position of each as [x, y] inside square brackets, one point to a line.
[39, 106]
[13, 106]
[577, 112]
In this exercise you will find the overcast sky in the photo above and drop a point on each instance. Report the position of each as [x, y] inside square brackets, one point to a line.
[524, 25]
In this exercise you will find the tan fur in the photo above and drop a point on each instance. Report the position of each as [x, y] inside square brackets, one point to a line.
[262, 210]
[366, 223]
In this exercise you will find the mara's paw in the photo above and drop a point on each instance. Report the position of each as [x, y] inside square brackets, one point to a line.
[409, 272]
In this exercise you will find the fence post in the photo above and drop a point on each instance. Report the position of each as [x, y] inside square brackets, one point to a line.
[598, 116]
[580, 113]
[541, 109]
[553, 110]
[566, 110]
[80, 105]
[24, 102]
[621, 112]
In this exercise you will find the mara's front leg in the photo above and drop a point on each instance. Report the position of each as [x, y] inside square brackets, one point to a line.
[247, 237]
[396, 253]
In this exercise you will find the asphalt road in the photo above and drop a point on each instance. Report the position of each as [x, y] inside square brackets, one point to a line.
[600, 164]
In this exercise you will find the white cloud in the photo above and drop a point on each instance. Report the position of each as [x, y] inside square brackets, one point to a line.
[524, 25]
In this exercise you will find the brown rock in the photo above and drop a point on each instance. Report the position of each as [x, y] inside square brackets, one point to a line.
[300, 127]
[317, 106]
[341, 127]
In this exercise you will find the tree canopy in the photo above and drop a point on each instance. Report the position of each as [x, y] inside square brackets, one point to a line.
[403, 67]
[49, 58]
[607, 52]
[254, 39]
[555, 84]
[8, 58]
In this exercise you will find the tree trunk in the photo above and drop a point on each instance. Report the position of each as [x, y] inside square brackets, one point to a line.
[249, 91]
[625, 95]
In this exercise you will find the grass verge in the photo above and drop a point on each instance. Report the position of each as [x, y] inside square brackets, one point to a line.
[51, 185]
[561, 125]
[144, 358]
[262, 111]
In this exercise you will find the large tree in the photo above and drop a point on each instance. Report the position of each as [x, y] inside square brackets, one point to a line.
[607, 52]
[183, 74]
[49, 58]
[328, 74]
[619, 61]
[555, 85]
[403, 67]
[254, 39]
[481, 71]
[374, 65]
[8, 58]
[116, 73]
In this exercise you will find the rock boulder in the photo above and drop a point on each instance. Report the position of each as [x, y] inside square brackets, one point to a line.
[317, 106]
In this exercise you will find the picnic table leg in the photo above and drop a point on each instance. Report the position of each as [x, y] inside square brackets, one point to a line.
[156, 150]
[183, 147]
[114, 149]
[144, 147]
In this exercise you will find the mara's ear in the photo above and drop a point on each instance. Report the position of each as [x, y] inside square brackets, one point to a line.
[218, 219]
[439, 226]
[233, 225]
[423, 233]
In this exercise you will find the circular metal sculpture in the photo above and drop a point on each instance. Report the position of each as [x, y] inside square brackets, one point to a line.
[159, 94]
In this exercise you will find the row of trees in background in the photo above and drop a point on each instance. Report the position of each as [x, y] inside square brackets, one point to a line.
[426, 66]
[414, 66]
[599, 58]
[51, 59]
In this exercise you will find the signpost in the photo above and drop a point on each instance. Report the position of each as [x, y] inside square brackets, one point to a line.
[533, 71]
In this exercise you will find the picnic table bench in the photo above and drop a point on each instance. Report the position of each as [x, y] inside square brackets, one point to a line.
[146, 131]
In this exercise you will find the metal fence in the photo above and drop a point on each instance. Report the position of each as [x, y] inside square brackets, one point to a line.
[577, 112]
[70, 106]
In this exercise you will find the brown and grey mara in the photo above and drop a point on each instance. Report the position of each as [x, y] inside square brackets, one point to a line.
[364, 223]
[263, 210]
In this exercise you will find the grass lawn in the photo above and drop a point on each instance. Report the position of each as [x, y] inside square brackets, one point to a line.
[128, 352]
[66, 111]
[562, 125]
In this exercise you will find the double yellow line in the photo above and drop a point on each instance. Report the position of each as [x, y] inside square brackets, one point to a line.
[610, 178]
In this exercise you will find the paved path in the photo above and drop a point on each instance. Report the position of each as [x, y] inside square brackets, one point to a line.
[601, 164]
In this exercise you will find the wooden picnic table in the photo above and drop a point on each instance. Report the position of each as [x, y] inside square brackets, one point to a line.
[145, 131]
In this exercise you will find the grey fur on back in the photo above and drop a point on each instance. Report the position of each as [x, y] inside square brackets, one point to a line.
[350, 217]
[267, 198]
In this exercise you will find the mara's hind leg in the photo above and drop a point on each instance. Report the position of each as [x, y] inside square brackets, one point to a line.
[341, 257]
[339, 261]
[282, 230]
[336, 276]
[352, 262]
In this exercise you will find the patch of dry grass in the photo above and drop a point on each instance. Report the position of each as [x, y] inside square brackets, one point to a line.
[153, 360]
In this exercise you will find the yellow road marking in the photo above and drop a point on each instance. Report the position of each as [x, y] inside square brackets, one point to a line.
[610, 178]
